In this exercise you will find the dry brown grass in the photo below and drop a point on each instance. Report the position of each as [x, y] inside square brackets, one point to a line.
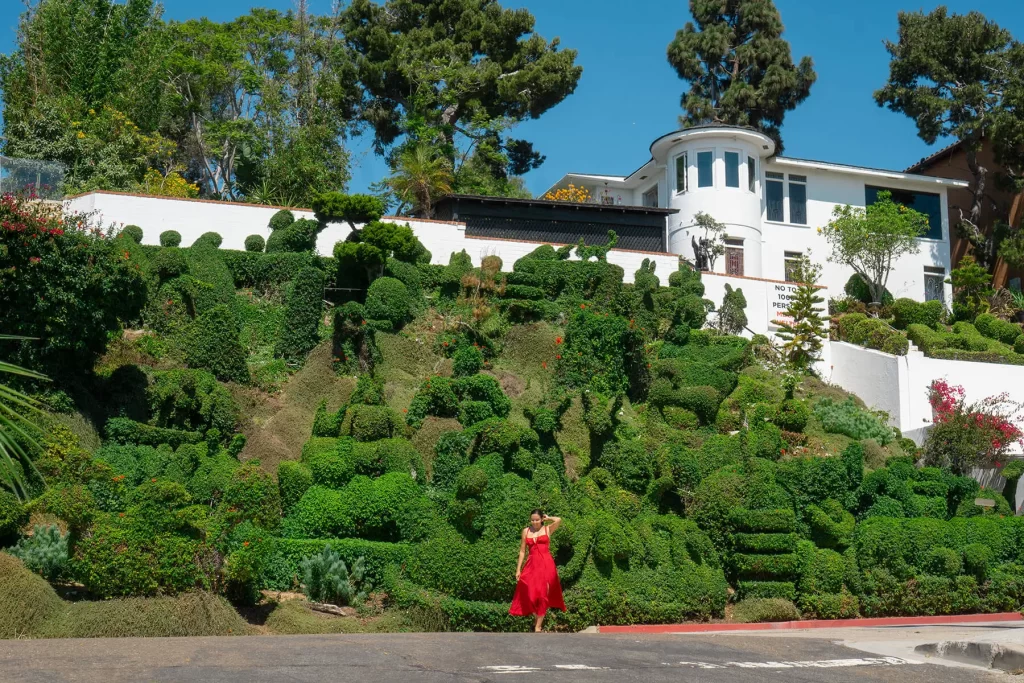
[276, 426]
[294, 618]
[30, 608]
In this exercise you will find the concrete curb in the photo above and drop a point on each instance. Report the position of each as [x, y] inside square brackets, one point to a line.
[838, 623]
[1008, 658]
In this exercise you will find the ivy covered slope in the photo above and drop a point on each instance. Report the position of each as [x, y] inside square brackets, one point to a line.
[244, 418]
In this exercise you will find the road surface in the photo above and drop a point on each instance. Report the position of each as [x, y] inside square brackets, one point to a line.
[437, 657]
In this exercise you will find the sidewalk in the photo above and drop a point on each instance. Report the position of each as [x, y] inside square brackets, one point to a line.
[983, 641]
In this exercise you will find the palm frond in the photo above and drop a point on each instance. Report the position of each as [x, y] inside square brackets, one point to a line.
[17, 429]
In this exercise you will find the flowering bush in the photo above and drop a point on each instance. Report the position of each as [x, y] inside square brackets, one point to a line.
[63, 282]
[967, 435]
[579, 195]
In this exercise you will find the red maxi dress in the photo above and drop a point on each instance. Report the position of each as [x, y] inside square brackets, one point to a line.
[538, 589]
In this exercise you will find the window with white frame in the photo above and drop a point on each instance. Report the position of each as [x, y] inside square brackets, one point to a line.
[773, 196]
[798, 199]
[732, 169]
[752, 174]
[705, 169]
[650, 198]
[681, 179]
[791, 261]
[935, 284]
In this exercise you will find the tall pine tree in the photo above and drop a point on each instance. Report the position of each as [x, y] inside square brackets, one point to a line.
[803, 328]
[739, 67]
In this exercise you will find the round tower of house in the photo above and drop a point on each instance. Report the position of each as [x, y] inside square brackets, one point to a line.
[716, 170]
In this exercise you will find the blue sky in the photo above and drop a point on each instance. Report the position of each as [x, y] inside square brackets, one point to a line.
[629, 95]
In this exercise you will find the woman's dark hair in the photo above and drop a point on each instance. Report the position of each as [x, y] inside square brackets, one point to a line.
[538, 512]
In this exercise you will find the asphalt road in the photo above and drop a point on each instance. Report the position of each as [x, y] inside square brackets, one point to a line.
[430, 657]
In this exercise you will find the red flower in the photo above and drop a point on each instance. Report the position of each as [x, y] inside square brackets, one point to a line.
[245, 544]
[153, 480]
[558, 340]
[582, 306]
[544, 364]
[558, 357]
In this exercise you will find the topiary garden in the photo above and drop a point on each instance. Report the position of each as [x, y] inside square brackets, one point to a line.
[425, 415]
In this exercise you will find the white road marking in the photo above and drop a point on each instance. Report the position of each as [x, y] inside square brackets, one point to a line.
[808, 664]
[580, 667]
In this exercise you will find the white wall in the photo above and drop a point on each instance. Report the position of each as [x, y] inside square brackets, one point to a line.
[234, 222]
[899, 384]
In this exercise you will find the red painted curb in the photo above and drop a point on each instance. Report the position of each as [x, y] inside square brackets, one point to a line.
[817, 623]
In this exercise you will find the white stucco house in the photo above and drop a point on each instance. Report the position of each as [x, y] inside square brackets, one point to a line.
[772, 206]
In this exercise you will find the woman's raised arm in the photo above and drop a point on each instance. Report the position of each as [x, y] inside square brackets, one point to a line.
[555, 522]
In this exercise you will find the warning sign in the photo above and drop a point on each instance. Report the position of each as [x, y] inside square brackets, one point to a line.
[780, 294]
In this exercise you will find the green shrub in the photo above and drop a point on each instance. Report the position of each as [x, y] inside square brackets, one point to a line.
[214, 345]
[370, 423]
[300, 332]
[831, 526]
[756, 610]
[293, 480]
[252, 495]
[300, 236]
[765, 543]
[942, 562]
[13, 516]
[211, 478]
[687, 420]
[124, 431]
[873, 333]
[783, 590]
[388, 299]
[132, 232]
[849, 419]
[170, 238]
[468, 360]
[629, 462]
[701, 401]
[763, 521]
[994, 328]
[389, 508]
[212, 239]
[326, 578]
[843, 605]
[45, 552]
[331, 461]
[907, 312]
[765, 566]
[977, 559]
[858, 289]
[191, 400]
[823, 572]
[255, 243]
[169, 263]
[601, 352]
[792, 415]
[281, 220]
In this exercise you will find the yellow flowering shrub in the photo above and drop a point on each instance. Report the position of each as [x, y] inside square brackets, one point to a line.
[170, 185]
[580, 195]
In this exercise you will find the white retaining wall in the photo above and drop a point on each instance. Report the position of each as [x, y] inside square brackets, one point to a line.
[234, 222]
[899, 384]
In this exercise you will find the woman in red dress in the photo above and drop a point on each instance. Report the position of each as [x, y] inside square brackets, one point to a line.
[537, 587]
